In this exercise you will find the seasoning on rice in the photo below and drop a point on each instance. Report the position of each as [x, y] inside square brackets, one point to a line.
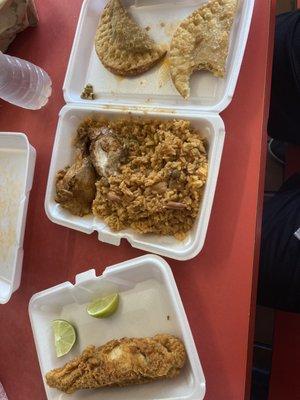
[159, 187]
[149, 174]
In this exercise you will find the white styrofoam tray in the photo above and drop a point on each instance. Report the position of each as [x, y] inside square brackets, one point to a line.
[149, 304]
[153, 88]
[153, 94]
[17, 161]
[211, 127]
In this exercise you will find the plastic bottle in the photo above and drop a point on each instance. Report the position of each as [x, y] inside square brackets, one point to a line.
[2, 393]
[23, 83]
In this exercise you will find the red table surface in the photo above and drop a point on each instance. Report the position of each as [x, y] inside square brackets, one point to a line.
[218, 288]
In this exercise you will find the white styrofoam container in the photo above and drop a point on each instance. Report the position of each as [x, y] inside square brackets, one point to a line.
[153, 88]
[154, 95]
[149, 304]
[17, 162]
[212, 127]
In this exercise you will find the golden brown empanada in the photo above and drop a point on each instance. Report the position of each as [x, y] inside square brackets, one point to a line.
[123, 47]
[201, 43]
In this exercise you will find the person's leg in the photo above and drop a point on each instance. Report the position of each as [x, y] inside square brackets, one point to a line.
[277, 149]
[284, 115]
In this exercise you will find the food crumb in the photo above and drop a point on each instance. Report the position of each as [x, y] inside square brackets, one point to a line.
[168, 317]
[162, 24]
[148, 28]
[88, 92]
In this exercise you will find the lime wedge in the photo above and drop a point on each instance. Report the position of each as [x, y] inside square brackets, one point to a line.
[104, 307]
[64, 336]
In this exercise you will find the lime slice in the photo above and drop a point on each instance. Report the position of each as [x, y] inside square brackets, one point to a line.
[64, 336]
[104, 307]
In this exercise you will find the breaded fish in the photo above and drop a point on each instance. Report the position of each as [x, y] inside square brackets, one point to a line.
[122, 362]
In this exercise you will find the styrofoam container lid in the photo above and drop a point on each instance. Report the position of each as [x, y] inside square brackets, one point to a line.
[153, 88]
[149, 304]
[17, 161]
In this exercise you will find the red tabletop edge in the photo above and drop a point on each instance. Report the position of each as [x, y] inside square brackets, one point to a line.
[268, 79]
[218, 288]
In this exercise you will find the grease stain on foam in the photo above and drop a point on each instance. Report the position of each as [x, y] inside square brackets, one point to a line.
[12, 181]
[119, 78]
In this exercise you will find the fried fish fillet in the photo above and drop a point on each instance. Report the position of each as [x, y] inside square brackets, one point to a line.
[121, 362]
[123, 47]
[201, 43]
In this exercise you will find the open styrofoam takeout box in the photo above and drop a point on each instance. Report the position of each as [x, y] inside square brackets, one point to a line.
[151, 94]
[17, 161]
[149, 304]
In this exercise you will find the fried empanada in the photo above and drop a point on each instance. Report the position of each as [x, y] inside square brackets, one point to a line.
[123, 47]
[201, 43]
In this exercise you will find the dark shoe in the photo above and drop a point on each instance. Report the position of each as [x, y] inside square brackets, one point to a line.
[277, 150]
